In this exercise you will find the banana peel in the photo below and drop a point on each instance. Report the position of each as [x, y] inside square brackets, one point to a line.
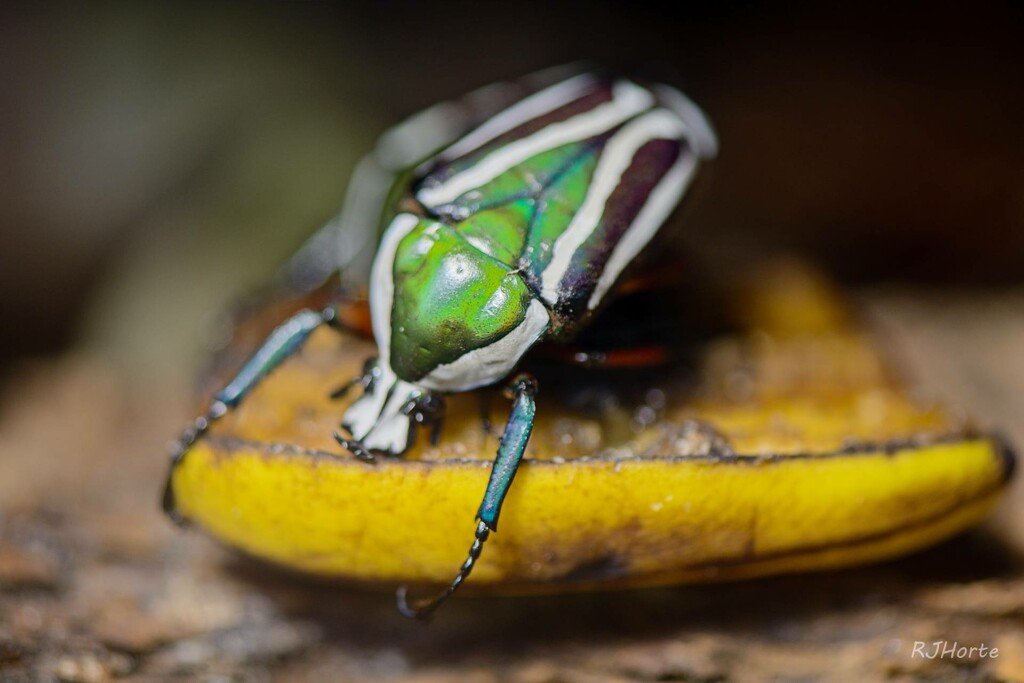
[789, 447]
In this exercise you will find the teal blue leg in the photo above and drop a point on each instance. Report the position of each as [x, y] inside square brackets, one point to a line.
[282, 343]
[510, 454]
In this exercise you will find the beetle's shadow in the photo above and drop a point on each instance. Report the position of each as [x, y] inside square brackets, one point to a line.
[801, 607]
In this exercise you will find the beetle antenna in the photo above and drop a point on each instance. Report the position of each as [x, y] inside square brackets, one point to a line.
[424, 607]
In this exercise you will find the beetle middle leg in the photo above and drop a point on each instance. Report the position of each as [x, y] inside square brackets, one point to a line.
[506, 464]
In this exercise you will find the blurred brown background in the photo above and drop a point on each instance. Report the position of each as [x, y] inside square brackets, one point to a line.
[161, 158]
[158, 160]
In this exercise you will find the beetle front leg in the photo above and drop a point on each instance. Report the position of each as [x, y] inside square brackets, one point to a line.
[427, 410]
[371, 373]
[506, 464]
[284, 341]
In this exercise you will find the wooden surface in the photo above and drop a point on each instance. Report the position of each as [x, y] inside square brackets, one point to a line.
[95, 584]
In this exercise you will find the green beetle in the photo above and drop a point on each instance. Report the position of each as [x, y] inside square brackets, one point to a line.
[516, 232]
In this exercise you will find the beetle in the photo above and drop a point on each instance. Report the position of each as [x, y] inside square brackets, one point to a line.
[517, 231]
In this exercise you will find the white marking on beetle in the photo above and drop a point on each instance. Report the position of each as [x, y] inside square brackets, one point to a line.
[486, 365]
[655, 210]
[373, 419]
[390, 431]
[628, 100]
[376, 420]
[615, 160]
[531, 107]
[701, 133]
[382, 281]
[703, 142]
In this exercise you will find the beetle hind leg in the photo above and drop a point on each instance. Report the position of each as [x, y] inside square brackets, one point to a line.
[506, 464]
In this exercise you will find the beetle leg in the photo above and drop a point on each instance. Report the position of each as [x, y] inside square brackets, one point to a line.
[646, 356]
[342, 391]
[427, 410]
[435, 431]
[371, 372]
[365, 380]
[284, 341]
[355, 448]
[510, 454]
[485, 413]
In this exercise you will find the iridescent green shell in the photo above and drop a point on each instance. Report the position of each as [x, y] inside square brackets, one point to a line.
[547, 189]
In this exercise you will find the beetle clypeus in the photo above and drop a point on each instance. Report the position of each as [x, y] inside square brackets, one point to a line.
[517, 231]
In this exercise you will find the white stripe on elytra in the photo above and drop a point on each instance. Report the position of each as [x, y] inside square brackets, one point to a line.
[628, 100]
[536, 105]
[702, 142]
[615, 160]
[486, 365]
[659, 205]
[701, 135]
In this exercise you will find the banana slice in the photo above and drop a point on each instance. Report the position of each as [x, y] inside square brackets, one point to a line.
[787, 447]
